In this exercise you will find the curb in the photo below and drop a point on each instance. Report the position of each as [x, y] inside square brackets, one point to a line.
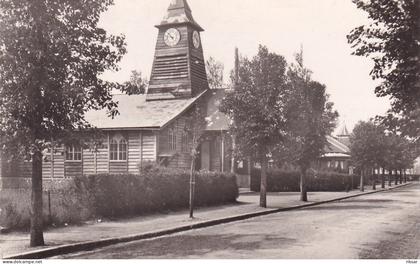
[86, 246]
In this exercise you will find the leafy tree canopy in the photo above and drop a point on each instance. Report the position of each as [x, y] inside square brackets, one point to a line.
[215, 73]
[312, 117]
[392, 41]
[51, 56]
[399, 153]
[259, 103]
[52, 53]
[367, 144]
[136, 85]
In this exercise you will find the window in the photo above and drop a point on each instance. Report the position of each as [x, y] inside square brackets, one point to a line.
[184, 141]
[73, 153]
[122, 152]
[118, 149]
[172, 139]
[113, 149]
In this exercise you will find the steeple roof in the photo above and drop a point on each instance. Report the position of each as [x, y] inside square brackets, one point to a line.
[179, 12]
[343, 132]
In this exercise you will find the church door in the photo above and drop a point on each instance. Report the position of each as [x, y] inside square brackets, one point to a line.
[205, 155]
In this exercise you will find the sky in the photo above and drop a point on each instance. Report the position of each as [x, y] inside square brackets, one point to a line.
[320, 26]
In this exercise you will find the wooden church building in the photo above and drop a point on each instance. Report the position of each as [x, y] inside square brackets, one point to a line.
[153, 127]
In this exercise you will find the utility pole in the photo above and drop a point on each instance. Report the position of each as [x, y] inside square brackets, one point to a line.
[236, 82]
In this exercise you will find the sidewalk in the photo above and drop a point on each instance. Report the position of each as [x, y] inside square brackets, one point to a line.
[105, 233]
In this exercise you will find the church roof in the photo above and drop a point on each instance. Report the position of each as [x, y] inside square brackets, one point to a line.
[137, 113]
[179, 12]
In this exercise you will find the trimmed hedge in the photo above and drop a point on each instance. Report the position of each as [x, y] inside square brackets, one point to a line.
[118, 195]
[413, 177]
[288, 181]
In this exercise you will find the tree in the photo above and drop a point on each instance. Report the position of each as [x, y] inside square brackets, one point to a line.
[258, 107]
[51, 56]
[366, 147]
[215, 73]
[392, 41]
[313, 119]
[196, 125]
[402, 154]
[136, 85]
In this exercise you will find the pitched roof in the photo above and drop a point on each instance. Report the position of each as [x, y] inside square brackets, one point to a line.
[335, 146]
[344, 140]
[179, 12]
[137, 113]
[216, 120]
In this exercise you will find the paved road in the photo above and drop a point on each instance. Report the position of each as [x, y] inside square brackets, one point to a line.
[383, 225]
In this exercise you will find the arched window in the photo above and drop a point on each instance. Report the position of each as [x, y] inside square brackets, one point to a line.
[118, 149]
[113, 149]
[73, 153]
[172, 139]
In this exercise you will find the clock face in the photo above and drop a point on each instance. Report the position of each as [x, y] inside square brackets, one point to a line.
[196, 39]
[172, 37]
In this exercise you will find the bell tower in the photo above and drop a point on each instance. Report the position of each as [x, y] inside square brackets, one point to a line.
[178, 70]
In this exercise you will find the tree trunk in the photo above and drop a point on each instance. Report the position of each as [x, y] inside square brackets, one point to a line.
[405, 176]
[192, 188]
[372, 171]
[263, 188]
[303, 190]
[233, 160]
[37, 235]
[362, 184]
[396, 177]
[390, 178]
[383, 178]
[401, 177]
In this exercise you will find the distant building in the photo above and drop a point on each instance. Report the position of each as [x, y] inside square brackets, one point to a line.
[336, 155]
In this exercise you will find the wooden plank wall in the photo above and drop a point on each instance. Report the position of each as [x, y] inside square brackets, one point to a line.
[73, 169]
[59, 158]
[116, 167]
[134, 151]
[181, 160]
[25, 169]
[102, 161]
[141, 148]
[89, 162]
[149, 142]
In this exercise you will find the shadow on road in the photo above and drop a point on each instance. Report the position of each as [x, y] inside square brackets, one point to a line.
[169, 247]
